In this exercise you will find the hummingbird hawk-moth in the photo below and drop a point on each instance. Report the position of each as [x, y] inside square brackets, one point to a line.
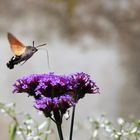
[21, 52]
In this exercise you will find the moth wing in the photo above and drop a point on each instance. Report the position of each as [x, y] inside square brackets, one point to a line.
[16, 46]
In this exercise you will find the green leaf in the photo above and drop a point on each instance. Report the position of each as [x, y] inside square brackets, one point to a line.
[12, 131]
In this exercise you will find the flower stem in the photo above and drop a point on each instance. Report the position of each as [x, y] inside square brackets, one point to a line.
[16, 121]
[59, 131]
[72, 122]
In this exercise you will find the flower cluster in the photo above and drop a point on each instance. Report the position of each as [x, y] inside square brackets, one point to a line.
[61, 103]
[48, 85]
[81, 84]
[56, 92]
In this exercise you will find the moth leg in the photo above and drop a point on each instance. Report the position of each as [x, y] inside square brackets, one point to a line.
[23, 62]
[11, 63]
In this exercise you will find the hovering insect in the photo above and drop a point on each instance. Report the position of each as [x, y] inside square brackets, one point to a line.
[21, 52]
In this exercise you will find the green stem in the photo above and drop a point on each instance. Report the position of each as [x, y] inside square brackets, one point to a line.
[58, 121]
[72, 122]
[16, 121]
[22, 133]
[59, 129]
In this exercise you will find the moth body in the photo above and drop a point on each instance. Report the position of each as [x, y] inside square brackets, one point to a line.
[29, 51]
[21, 52]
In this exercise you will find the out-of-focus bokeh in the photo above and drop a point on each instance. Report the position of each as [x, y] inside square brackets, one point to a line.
[99, 37]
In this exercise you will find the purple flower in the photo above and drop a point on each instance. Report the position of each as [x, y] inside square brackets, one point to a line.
[48, 85]
[54, 94]
[50, 105]
[27, 84]
[81, 84]
[51, 85]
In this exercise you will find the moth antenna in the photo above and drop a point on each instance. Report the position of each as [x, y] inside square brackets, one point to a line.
[41, 45]
[33, 43]
[40, 48]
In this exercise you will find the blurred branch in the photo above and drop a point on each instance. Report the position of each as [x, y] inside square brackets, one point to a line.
[28, 127]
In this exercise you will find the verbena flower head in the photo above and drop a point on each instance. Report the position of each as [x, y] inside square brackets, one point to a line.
[48, 85]
[27, 84]
[49, 105]
[81, 84]
[56, 93]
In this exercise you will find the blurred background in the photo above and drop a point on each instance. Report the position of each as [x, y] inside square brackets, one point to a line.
[98, 37]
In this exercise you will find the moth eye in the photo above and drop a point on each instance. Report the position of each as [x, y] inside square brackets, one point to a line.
[33, 50]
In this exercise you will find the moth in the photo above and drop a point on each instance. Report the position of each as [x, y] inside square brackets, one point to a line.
[21, 52]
